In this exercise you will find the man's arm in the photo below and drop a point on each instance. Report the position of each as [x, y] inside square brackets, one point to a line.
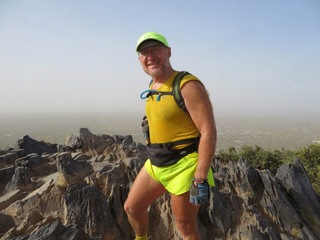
[201, 111]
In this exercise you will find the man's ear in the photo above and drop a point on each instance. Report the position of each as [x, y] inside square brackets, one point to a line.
[169, 51]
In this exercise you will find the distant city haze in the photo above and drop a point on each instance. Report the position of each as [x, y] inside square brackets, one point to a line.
[71, 64]
[269, 133]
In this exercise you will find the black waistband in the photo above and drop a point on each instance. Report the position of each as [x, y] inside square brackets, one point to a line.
[170, 145]
[161, 157]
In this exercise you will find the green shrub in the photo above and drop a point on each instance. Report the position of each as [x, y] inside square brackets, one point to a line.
[260, 158]
[310, 158]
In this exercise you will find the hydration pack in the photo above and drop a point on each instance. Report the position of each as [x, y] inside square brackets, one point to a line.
[176, 91]
[163, 154]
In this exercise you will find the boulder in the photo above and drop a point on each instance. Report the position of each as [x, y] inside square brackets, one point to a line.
[6, 223]
[72, 171]
[30, 145]
[6, 174]
[87, 208]
[73, 142]
[36, 164]
[8, 159]
[92, 144]
[29, 223]
[20, 180]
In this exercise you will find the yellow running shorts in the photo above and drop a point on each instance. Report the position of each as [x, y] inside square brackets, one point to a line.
[177, 178]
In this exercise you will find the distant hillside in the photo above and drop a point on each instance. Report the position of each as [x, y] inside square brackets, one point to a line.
[270, 133]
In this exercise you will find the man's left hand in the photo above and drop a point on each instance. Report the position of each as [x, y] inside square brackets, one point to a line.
[199, 192]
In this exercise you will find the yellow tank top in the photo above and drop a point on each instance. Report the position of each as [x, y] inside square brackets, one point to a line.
[168, 122]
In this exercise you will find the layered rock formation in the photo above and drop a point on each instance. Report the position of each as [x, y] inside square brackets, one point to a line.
[77, 191]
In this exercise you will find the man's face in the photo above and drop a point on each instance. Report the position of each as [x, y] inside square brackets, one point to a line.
[154, 59]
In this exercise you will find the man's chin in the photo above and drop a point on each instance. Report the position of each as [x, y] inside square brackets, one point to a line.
[154, 73]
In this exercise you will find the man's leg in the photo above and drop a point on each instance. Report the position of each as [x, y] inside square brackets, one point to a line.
[185, 215]
[143, 192]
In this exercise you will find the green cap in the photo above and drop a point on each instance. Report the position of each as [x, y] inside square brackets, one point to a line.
[155, 37]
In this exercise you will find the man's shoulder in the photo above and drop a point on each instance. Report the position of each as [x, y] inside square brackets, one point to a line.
[188, 77]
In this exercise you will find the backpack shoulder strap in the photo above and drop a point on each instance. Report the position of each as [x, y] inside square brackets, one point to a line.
[177, 90]
[150, 83]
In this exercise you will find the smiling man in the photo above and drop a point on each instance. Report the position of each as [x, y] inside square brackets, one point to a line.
[182, 143]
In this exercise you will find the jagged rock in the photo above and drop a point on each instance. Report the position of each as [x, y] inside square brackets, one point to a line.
[294, 179]
[63, 156]
[26, 169]
[80, 156]
[46, 199]
[110, 175]
[111, 148]
[92, 144]
[277, 206]
[72, 171]
[118, 139]
[86, 207]
[82, 197]
[29, 223]
[32, 146]
[73, 142]
[251, 205]
[134, 166]
[20, 180]
[11, 197]
[5, 176]
[6, 222]
[35, 163]
[161, 223]
[8, 158]
[55, 230]
[127, 141]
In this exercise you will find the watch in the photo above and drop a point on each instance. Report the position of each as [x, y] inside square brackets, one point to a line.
[200, 180]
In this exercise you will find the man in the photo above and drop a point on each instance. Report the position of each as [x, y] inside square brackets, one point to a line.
[192, 132]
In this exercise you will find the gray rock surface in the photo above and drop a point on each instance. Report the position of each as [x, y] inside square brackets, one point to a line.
[51, 192]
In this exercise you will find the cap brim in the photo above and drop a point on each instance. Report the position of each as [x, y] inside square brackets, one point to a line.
[149, 43]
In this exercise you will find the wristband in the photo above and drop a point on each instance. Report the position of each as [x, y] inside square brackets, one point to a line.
[200, 180]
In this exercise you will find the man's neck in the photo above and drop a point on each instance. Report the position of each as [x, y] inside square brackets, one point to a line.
[164, 76]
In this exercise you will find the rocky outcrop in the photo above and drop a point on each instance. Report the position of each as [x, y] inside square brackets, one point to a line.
[30, 145]
[77, 191]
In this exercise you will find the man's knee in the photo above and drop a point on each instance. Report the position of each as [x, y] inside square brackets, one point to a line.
[186, 228]
[127, 208]
[132, 209]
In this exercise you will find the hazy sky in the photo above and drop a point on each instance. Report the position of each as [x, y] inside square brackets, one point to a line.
[255, 57]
